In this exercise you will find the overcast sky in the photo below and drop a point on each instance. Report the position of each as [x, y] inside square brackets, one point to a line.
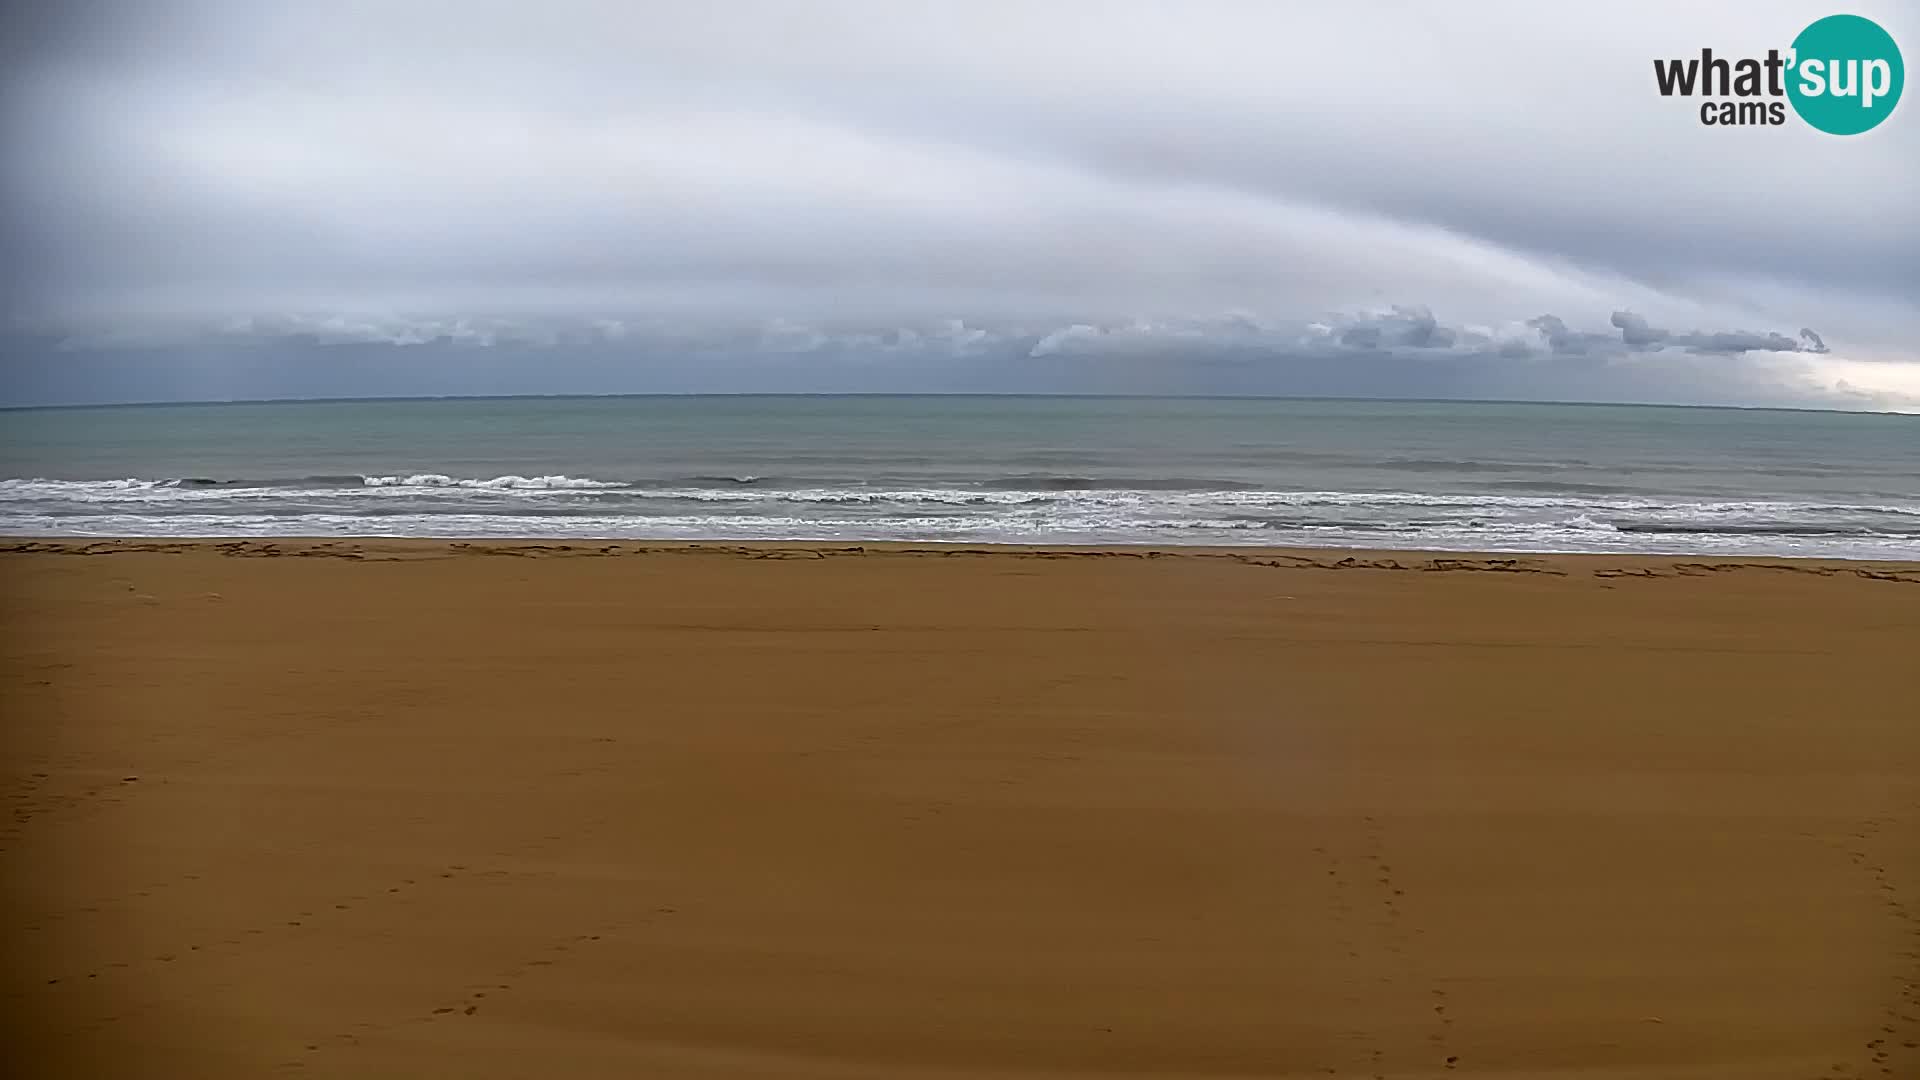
[249, 198]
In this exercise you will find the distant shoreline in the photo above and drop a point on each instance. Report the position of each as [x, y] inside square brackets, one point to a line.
[1557, 564]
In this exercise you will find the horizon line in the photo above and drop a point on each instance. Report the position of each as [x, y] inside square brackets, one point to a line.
[374, 399]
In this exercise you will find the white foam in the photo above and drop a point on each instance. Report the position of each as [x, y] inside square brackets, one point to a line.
[496, 483]
[40, 487]
[1589, 522]
[439, 504]
[984, 528]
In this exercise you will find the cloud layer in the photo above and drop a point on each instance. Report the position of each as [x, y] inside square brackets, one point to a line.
[771, 186]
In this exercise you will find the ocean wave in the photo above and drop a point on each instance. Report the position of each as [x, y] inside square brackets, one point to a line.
[497, 483]
[760, 491]
[1068, 482]
[1561, 487]
[1560, 535]
[1425, 465]
[1764, 528]
[19, 486]
[743, 481]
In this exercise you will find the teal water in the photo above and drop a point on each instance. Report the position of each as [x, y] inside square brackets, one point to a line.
[1438, 475]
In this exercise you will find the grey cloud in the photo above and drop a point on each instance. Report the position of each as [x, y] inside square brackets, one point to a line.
[1063, 339]
[1077, 187]
[1416, 328]
[1637, 333]
[1561, 339]
[1728, 341]
[1554, 329]
[1279, 361]
[1409, 328]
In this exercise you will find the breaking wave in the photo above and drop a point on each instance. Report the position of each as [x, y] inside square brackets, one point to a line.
[1507, 515]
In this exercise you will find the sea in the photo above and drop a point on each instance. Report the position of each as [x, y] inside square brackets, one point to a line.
[1417, 475]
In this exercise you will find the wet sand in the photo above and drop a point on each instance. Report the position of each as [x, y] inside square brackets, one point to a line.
[386, 809]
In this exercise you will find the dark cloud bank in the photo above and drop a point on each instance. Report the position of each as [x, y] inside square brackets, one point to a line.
[588, 196]
[1405, 348]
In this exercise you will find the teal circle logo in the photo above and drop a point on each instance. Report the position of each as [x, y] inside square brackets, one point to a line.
[1846, 74]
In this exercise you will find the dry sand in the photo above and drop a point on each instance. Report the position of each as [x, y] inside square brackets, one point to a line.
[363, 809]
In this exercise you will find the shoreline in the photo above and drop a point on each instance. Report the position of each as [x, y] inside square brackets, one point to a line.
[1300, 558]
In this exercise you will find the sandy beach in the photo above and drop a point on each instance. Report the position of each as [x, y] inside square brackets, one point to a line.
[415, 809]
